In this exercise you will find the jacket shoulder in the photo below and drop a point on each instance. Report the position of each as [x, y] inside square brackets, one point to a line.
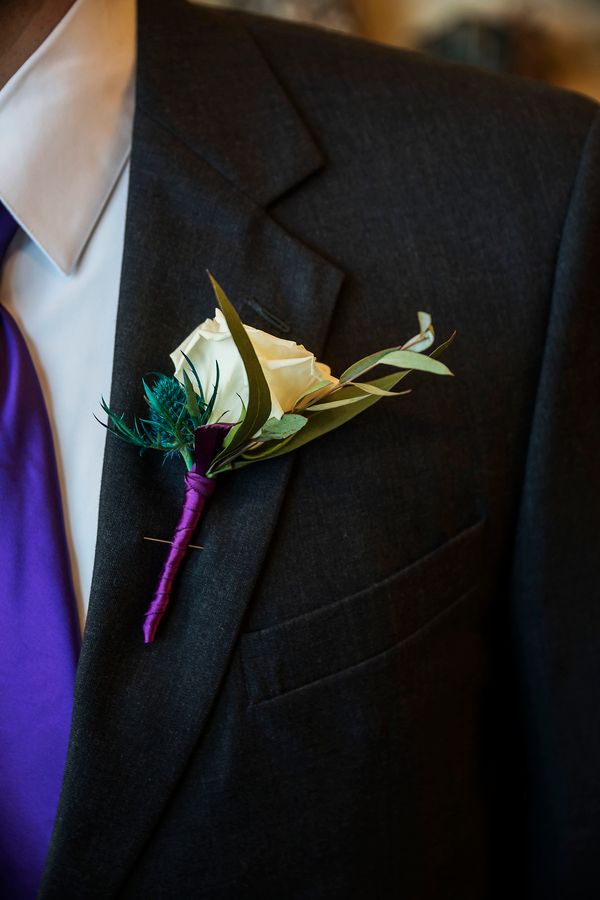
[363, 83]
[383, 85]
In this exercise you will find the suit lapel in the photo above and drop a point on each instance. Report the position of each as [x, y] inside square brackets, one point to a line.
[197, 192]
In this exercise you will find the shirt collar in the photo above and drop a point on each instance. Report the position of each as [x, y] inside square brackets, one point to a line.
[65, 126]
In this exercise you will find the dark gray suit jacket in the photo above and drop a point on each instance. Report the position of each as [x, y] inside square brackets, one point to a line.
[381, 677]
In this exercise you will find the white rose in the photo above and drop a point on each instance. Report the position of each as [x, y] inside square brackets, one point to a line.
[289, 368]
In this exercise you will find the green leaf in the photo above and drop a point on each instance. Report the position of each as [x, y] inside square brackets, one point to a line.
[259, 396]
[191, 400]
[441, 347]
[369, 388]
[232, 431]
[332, 404]
[279, 429]
[417, 344]
[395, 356]
[352, 393]
[256, 452]
[363, 365]
[213, 396]
[408, 359]
[318, 424]
[194, 372]
[312, 390]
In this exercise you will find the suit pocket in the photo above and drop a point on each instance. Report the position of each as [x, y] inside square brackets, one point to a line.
[340, 635]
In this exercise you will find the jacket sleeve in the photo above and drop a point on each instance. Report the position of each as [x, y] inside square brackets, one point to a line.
[555, 582]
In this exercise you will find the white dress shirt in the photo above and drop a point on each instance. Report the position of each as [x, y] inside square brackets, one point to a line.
[65, 127]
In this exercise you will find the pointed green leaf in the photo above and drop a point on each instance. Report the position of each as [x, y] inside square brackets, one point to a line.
[408, 359]
[259, 396]
[394, 356]
[417, 344]
[232, 431]
[369, 388]
[315, 389]
[191, 400]
[332, 404]
[318, 424]
[152, 401]
[352, 393]
[363, 365]
[194, 372]
[321, 422]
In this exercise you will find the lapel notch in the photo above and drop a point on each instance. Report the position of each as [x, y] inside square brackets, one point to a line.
[232, 111]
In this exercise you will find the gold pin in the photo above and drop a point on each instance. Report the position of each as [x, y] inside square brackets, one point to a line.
[161, 541]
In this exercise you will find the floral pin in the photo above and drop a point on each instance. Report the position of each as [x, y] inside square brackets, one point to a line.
[241, 396]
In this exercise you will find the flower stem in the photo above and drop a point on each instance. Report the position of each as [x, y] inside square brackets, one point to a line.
[198, 489]
[188, 458]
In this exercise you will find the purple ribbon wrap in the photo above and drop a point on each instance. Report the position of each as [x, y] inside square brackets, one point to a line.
[197, 491]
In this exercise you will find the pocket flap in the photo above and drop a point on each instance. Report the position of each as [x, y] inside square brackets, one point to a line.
[341, 634]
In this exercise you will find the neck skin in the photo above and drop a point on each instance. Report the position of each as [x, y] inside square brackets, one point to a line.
[24, 25]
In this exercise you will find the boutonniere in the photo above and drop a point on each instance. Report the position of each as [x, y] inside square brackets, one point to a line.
[240, 396]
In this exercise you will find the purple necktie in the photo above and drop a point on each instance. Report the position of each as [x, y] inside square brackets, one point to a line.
[39, 634]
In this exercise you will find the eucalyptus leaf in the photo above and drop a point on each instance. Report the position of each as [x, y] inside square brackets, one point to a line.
[353, 392]
[279, 429]
[394, 356]
[318, 424]
[408, 359]
[315, 389]
[417, 344]
[259, 451]
[363, 365]
[332, 404]
[441, 347]
[118, 426]
[369, 388]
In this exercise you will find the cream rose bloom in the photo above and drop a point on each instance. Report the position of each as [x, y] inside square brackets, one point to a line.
[289, 368]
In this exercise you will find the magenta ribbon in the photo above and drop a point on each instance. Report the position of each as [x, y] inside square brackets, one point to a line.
[197, 491]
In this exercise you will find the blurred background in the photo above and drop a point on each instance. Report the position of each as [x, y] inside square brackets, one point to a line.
[556, 40]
